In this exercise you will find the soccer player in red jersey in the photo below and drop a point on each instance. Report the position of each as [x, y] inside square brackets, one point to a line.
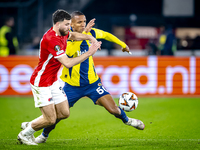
[82, 80]
[48, 94]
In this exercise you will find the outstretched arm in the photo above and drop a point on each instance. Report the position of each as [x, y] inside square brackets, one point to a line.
[79, 37]
[110, 37]
[107, 36]
[70, 62]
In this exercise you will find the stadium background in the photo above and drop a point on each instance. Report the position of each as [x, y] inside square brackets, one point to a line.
[171, 123]
[135, 22]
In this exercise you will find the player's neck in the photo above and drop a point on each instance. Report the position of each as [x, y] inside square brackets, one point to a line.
[56, 30]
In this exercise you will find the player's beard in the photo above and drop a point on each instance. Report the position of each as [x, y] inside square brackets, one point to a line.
[62, 32]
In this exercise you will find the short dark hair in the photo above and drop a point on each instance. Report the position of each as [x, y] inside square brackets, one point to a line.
[60, 15]
[76, 13]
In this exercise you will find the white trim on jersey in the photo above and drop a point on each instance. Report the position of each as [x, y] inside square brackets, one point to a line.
[59, 56]
[40, 47]
[37, 79]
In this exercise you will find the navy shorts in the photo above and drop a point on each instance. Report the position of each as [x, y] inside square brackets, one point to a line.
[94, 91]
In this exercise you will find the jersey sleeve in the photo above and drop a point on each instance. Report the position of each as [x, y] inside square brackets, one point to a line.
[56, 47]
[100, 34]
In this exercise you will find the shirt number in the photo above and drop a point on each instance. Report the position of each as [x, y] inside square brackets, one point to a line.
[100, 90]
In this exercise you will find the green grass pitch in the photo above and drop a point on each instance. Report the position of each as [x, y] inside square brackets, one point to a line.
[171, 124]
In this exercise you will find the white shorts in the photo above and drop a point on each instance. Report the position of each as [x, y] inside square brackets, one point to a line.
[44, 96]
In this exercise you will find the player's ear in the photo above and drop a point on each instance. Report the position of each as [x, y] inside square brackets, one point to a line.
[71, 24]
[58, 24]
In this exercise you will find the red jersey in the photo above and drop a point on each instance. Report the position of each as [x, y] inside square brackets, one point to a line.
[52, 46]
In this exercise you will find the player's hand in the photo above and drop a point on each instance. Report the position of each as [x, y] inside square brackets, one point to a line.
[94, 40]
[94, 47]
[90, 25]
[126, 49]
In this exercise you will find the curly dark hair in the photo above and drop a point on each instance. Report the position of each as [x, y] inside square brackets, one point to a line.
[60, 15]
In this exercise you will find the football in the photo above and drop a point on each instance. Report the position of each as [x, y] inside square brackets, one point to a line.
[128, 101]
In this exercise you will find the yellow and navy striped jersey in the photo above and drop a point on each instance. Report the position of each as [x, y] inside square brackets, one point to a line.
[84, 73]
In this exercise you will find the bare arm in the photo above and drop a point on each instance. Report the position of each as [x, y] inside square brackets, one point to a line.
[70, 62]
[112, 38]
[79, 37]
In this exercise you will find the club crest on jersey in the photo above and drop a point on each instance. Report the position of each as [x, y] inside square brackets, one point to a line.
[57, 48]
[99, 84]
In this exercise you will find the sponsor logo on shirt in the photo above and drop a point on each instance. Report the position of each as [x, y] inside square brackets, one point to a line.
[50, 99]
[81, 52]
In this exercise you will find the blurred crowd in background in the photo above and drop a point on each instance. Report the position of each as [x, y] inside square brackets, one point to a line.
[156, 27]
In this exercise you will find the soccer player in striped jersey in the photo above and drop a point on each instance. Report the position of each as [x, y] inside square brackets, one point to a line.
[48, 94]
[81, 80]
